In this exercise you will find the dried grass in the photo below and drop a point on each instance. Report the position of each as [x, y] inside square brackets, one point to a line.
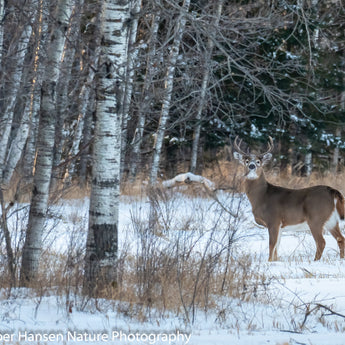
[169, 280]
[172, 279]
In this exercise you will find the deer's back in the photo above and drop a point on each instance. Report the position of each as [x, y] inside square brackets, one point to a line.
[295, 206]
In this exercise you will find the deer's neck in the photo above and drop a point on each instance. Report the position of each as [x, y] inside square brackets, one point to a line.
[256, 188]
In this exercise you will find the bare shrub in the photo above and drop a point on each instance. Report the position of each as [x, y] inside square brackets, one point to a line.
[183, 256]
[177, 255]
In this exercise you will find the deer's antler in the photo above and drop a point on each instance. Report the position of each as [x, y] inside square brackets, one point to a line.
[270, 146]
[237, 146]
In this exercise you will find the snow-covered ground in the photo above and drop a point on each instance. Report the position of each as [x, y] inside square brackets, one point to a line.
[296, 291]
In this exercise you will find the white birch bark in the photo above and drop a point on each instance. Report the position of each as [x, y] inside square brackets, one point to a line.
[308, 160]
[63, 99]
[30, 147]
[131, 61]
[16, 149]
[203, 92]
[45, 144]
[101, 246]
[139, 131]
[2, 14]
[168, 86]
[335, 157]
[28, 122]
[6, 123]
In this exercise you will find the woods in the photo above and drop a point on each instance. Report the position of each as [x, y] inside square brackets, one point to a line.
[98, 94]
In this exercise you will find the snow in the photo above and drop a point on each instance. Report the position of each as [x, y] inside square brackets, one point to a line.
[295, 291]
[188, 178]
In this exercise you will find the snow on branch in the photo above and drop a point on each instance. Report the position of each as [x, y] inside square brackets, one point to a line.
[188, 178]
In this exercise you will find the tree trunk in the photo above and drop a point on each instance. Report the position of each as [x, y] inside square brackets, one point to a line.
[86, 140]
[18, 143]
[2, 14]
[45, 145]
[101, 246]
[128, 89]
[30, 147]
[203, 93]
[168, 86]
[63, 100]
[335, 158]
[308, 161]
[28, 122]
[84, 102]
[82, 134]
[139, 131]
[7, 120]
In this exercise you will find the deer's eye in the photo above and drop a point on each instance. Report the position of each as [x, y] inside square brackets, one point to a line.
[247, 161]
[258, 162]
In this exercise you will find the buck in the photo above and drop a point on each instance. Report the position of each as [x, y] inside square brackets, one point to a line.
[320, 207]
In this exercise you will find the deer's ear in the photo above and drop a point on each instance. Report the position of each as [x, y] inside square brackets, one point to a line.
[238, 157]
[266, 158]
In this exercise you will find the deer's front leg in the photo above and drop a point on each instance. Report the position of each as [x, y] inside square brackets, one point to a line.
[274, 237]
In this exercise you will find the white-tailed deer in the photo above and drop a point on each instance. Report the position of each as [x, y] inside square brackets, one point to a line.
[274, 207]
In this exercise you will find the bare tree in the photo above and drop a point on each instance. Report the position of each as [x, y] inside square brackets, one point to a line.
[130, 69]
[45, 144]
[101, 246]
[335, 157]
[145, 104]
[84, 103]
[204, 86]
[82, 133]
[2, 14]
[168, 90]
[28, 121]
[64, 93]
[11, 96]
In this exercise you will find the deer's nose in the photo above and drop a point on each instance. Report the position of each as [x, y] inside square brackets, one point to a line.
[251, 166]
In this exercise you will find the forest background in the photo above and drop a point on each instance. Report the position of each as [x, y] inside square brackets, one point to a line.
[186, 79]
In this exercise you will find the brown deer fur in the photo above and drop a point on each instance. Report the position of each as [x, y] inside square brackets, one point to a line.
[275, 207]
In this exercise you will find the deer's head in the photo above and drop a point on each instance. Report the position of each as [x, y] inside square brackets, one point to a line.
[253, 162]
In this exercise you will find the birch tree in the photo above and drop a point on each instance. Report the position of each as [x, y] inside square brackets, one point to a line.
[28, 121]
[335, 156]
[82, 133]
[168, 90]
[128, 89]
[84, 103]
[2, 15]
[101, 246]
[63, 89]
[7, 119]
[150, 61]
[204, 86]
[45, 145]
[86, 140]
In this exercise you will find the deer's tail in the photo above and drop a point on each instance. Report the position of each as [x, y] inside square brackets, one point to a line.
[340, 204]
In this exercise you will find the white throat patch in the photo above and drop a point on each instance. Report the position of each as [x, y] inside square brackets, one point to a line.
[252, 175]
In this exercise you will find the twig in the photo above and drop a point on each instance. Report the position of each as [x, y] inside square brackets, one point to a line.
[330, 310]
[212, 194]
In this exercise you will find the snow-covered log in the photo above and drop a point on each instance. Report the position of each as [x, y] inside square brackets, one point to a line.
[188, 178]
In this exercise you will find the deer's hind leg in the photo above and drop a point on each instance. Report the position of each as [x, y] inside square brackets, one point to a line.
[339, 238]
